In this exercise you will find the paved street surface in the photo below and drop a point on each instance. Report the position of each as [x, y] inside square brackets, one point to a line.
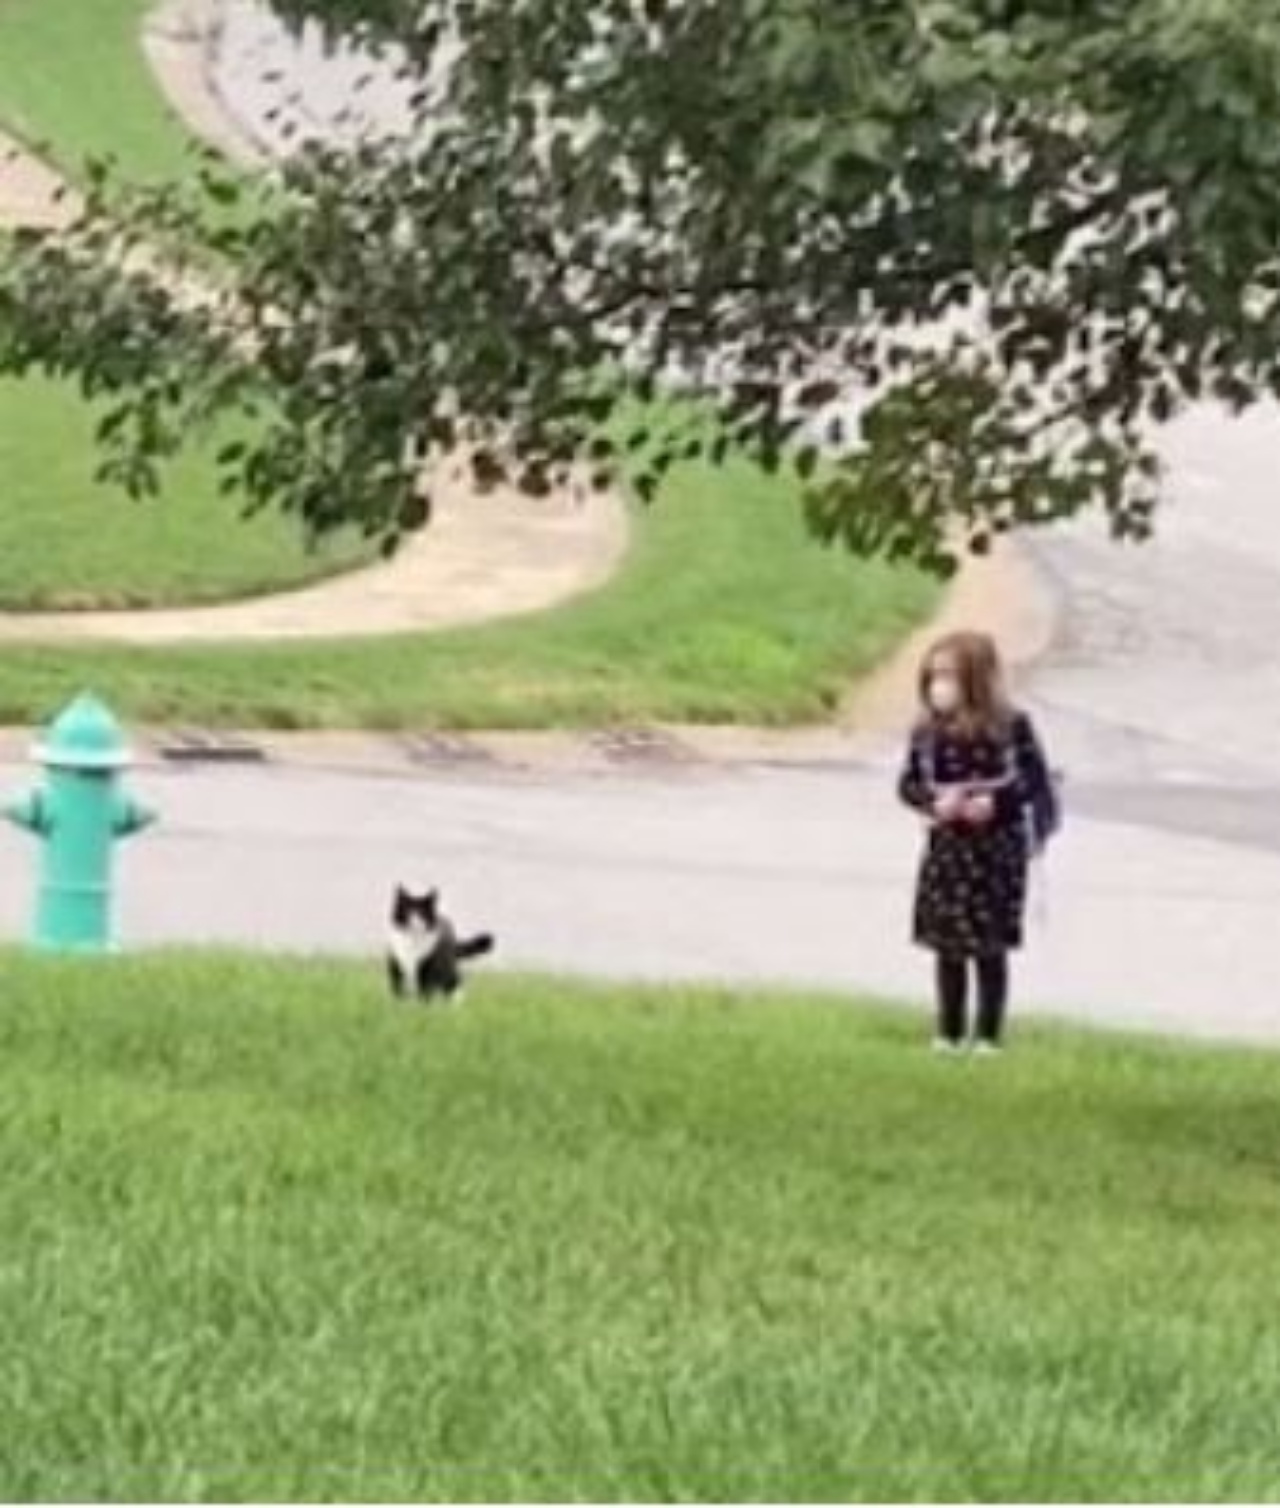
[1169, 660]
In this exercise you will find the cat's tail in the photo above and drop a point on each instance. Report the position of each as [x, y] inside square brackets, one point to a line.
[473, 947]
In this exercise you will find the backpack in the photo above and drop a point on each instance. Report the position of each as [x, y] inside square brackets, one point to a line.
[1044, 812]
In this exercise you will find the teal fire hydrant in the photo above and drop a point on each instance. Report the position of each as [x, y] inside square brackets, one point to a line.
[79, 815]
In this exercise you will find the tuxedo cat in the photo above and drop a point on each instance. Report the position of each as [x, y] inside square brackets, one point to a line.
[424, 951]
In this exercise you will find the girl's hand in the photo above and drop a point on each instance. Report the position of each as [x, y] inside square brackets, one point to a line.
[980, 809]
[949, 806]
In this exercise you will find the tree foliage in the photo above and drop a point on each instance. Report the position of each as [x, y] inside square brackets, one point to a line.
[1013, 234]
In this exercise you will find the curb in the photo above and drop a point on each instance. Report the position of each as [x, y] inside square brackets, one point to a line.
[635, 753]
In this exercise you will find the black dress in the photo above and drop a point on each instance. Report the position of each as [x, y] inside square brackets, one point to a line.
[972, 888]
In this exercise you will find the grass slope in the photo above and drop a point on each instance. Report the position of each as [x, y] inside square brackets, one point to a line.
[74, 81]
[68, 542]
[266, 1238]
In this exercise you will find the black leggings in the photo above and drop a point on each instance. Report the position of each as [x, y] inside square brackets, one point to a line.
[953, 996]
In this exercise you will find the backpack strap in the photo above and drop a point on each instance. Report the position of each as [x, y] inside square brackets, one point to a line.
[928, 746]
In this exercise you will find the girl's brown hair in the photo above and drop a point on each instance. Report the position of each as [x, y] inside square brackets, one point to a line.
[986, 710]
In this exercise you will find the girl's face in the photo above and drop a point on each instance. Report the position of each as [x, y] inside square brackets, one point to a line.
[944, 685]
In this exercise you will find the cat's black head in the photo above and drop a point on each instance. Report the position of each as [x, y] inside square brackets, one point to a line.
[408, 907]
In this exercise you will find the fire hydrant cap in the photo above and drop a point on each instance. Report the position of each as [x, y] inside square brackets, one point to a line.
[84, 736]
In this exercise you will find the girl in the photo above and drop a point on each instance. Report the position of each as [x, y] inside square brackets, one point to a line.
[973, 769]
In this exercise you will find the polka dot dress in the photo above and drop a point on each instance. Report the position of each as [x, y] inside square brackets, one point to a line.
[972, 888]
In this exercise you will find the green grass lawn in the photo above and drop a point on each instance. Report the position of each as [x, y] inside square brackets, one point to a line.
[74, 80]
[265, 1237]
[723, 611]
[66, 541]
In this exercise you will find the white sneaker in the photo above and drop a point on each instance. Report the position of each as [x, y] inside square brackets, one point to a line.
[946, 1045]
[987, 1049]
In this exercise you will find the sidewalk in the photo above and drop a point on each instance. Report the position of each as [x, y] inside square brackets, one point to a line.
[31, 195]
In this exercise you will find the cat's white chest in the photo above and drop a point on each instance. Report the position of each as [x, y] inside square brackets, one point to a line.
[409, 946]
